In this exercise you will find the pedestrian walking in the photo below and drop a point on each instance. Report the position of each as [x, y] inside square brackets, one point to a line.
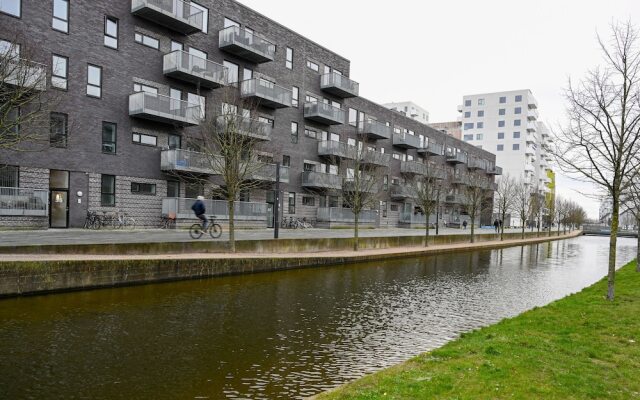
[496, 224]
[464, 224]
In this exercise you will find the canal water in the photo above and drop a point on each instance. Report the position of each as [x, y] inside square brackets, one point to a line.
[281, 335]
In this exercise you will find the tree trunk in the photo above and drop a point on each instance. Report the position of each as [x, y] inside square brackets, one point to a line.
[472, 230]
[522, 226]
[613, 241]
[426, 232]
[232, 232]
[558, 226]
[504, 214]
[356, 246]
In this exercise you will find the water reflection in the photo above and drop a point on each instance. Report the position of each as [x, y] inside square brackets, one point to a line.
[280, 335]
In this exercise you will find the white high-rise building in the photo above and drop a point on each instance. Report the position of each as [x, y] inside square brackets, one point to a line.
[506, 123]
[410, 109]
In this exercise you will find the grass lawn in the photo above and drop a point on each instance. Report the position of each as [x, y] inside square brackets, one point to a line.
[579, 347]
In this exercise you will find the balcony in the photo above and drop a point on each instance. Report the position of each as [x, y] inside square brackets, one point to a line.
[406, 141]
[375, 130]
[493, 170]
[530, 150]
[432, 149]
[245, 126]
[456, 157]
[193, 69]
[533, 103]
[476, 163]
[413, 167]
[267, 173]
[529, 168]
[24, 74]
[177, 15]
[400, 192]
[454, 199]
[330, 148]
[324, 113]
[178, 160]
[531, 127]
[156, 107]
[24, 202]
[345, 215]
[364, 184]
[320, 180]
[532, 114]
[339, 85]
[246, 44]
[531, 138]
[371, 157]
[266, 93]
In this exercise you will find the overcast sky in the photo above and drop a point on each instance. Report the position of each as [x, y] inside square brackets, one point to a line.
[433, 53]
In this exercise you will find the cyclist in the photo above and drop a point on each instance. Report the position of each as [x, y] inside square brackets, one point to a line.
[199, 209]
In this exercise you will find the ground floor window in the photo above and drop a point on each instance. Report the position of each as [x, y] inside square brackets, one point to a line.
[143, 188]
[9, 176]
[308, 201]
[292, 203]
[173, 189]
[108, 191]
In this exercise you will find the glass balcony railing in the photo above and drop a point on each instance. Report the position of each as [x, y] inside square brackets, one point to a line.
[339, 85]
[246, 44]
[180, 16]
[375, 158]
[266, 93]
[162, 108]
[330, 148]
[432, 148]
[190, 68]
[25, 74]
[245, 126]
[188, 161]
[321, 180]
[456, 157]
[324, 113]
[339, 214]
[375, 130]
[406, 141]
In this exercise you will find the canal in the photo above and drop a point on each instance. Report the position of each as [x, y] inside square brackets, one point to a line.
[279, 335]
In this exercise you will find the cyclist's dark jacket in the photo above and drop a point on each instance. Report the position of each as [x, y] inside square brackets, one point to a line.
[198, 207]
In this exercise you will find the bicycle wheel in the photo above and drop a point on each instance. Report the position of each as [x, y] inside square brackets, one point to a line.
[129, 223]
[96, 223]
[171, 224]
[215, 231]
[196, 231]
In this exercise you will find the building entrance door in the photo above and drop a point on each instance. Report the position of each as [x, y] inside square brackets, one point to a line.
[59, 207]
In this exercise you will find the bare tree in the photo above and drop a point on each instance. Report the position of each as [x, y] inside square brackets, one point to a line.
[229, 144]
[601, 141]
[425, 188]
[504, 199]
[474, 197]
[551, 204]
[522, 203]
[536, 209]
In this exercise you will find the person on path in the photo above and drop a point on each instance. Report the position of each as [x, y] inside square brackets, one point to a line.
[496, 225]
[500, 225]
[464, 224]
[199, 210]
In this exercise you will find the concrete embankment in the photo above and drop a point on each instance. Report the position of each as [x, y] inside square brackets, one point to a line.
[46, 269]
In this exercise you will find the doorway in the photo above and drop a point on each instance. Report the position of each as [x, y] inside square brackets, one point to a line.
[58, 199]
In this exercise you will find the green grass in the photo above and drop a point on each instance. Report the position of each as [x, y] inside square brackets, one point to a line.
[579, 347]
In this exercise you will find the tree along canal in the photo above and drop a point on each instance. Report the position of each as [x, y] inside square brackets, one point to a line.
[275, 335]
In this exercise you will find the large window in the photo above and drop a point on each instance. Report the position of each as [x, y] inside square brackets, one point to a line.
[111, 32]
[11, 7]
[59, 71]
[109, 136]
[175, 141]
[173, 189]
[205, 16]
[9, 176]
[147, 40]
[294, 132]
[141, 138]
[59, 130]
[94, 81]
[289, 62]
[313, 66]
[60, 15]
[108, 191]
[232, 71]
[295, 93]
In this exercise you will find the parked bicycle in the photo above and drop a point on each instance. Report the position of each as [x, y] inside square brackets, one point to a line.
[92, 221]
[295, 223]
[214, 229]
[168, 221]
[122, 220]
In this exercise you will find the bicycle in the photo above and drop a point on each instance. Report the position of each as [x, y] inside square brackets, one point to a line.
[92, 221]
[214, 229]
[121, 220]
[168, 221]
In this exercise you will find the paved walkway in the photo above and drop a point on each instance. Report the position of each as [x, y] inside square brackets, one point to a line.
[84, 236]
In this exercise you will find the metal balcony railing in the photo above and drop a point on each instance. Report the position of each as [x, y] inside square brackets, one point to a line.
[477, 163]
[245, 126]
[162, 108]
[415, 219]
[375, 130]
[339, 85]
[412, 167]
[268, 94]
[375, 158]
[400, 192]
[330, 148]
[24, 202]
[406, 141]
[246, 44]
[243, 211]
[321, 180]
[364, 184]
[177, 15]
[338, 214]
[531, 127]
[456, 157]
[189, 161]
[493, 170]
[190, 68]
[25, 74]
[267, 173]
[324, 113]
[432, 148]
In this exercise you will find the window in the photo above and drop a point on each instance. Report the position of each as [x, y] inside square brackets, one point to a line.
[197, 100]
[396, 156]
[59, 130]
[467, 114]
[500, 135]
[286, 161]
[232, 71]
[516, 122]
[143, 188]
[467, 103]
[480, 125]
[295, 93]
[289, 62]
[59, 72]
[480, 102]
[516, 146]
[308, 201]
[111, 32]
[94, 81]
[518, 98]
[294, 132]
[205, 16]
[173, 189]
[108, 191]
[109, 135]
[292, 203]
[353, 117]
[138, 87]
[479, 136]
[468, 137]
[385, 182]
[147, 40]
[517, 110]
[480, 113]
[264, 120]
[176, 46]
[310, 99]
[11, 7]
[468, 125]
[174, 141]
[500, 124]
[247, 74]
[500, 147]
[313, 66]
[501, 111]
[311, 133]
[229, 22]
[60, 15]
[516, 135]
[9, 175]
[12, 125]
[383, 207]
[140, 138]
[503, 100]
